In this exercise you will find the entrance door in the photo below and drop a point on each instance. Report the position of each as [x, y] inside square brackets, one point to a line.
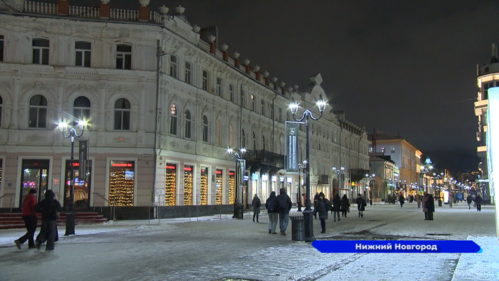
[35, 175]
[81, 186]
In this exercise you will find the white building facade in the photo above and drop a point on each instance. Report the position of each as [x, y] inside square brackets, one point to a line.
[163, 106]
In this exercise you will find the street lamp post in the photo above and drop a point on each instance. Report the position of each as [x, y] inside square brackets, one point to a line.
[300, 166]
[425, 169]
[238, 156]
[307, 114]
[339, 172]
[371, 178]
[69, 131]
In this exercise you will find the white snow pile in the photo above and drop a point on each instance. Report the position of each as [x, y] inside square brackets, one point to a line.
[479, 266]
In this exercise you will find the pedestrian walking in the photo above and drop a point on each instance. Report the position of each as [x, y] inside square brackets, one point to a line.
[425, 205]
[361, 205]
[30, 218]
[478, 201]
[323, 206]
[256, 207]
[272, 207]
[49, 208]
[336, 207]
[345, 206]
[469, 200]
[418, 200]
[284, 206]
[401, 200]
[430, 205]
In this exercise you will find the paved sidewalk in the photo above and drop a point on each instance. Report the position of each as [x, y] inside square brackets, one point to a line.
[218, 247]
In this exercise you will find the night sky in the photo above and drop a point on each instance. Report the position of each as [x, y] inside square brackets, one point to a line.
[407, 68]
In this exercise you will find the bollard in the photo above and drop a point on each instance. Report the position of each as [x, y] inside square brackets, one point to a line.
[298, 228]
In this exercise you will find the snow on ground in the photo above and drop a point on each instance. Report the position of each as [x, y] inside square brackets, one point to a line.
[217, 247]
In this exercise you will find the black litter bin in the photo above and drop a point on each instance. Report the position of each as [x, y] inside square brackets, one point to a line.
[238, 211]
[298, 228]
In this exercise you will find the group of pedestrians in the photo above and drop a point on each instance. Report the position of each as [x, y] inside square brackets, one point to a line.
[478, 202]
[49, 208]
[278, 208]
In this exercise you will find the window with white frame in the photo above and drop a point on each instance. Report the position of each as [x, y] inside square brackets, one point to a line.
[122, 111]
[219, 133]
[173, 119]
[188, 124]
[41, 51]
[231, 92]
[252, 102]
[205, 128]
[280, 115]
[188, 73]
[83, 53]
[173, 66]
[81, 108]
[205, 80]
[123, 57]
[263, 106]
[1, 107]
[254, 141]
[219, 86]
[37, 112]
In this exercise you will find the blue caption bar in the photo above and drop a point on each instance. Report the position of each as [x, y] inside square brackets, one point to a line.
[405, 246]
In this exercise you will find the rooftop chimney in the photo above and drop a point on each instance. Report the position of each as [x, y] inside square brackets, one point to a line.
[62, 7]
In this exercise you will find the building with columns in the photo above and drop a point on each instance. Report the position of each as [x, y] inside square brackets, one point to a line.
[163, 106]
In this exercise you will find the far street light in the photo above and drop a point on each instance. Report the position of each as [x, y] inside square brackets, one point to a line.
[238, 156]
[69, 131]
[307, 114]
[425, 169]
[371, 178]
[340, 173]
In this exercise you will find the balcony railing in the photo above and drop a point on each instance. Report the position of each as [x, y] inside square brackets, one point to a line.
[264, 157]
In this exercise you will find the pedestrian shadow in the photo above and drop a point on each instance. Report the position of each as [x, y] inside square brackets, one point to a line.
[26, 256]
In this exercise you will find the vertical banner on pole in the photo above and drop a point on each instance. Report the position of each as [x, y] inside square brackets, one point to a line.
[82, 158]
[292, 146]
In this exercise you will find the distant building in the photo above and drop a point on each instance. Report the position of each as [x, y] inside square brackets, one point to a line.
[487, 77]
[384, 169]
[406, 157]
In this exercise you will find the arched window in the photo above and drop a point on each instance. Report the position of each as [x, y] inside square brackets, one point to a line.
[243, 139]
[205, 80]
[188, 73]
[122, 110]
[231, 135]
[205, 128]
[173, 66]
[173, 119]
[81, 108]
[37, 112]
[219, 133]
[254, 141]
[188, 122]
[263, 142]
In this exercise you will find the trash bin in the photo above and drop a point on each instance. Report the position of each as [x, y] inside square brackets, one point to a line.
[298, 228]
[238, 211]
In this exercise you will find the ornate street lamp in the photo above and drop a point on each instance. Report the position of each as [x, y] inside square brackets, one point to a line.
[70, 131]
[340, 174]
[371, 178]
[307, 114]
[238, 156]
[425, 169]
[300, 166]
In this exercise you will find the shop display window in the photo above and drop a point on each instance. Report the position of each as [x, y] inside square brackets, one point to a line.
[203, 193]
[188, 171]
[232, 185]
[121, 183]
[171, 184]
[218, 185]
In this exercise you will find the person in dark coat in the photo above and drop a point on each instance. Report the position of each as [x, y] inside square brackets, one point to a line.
[284, 207]
[337, 207]
[256, 203]
[322, 209]
[30, 218]
[401, 200]
[418, 200]
[430, 205]
[361, 205]
[345, 206]
[272, 207]
[425, 205]
[478, 201]
[469, 200]
[316, 200]
[49, 207]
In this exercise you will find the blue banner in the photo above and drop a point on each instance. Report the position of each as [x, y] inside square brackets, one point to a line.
[405, 246]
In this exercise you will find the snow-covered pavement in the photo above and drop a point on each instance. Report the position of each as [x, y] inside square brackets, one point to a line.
[218, 247]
